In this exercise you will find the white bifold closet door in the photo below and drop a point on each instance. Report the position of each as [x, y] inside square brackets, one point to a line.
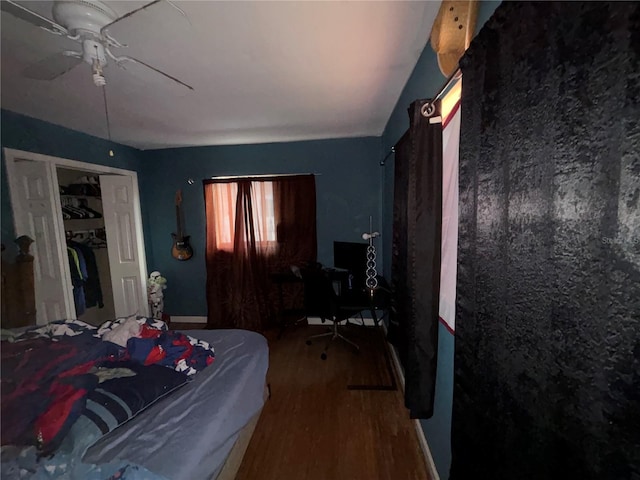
[129, 293]
[36, 211]
[33, 186]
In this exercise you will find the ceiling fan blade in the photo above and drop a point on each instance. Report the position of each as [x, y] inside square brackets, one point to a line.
[51, 67]
[30, 16]
[131, 59]
[127, 15]
[144, 7]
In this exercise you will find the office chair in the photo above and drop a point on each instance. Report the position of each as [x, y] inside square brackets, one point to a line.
[322, 300]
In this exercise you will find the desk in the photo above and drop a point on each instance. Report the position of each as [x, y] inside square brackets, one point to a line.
[350, 298]
[359, 298]
[280, 279]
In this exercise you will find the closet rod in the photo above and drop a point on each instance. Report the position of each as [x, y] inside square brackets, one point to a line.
[231, 177]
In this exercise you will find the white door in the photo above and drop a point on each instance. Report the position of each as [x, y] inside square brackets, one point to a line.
[120, 213]
[36, 214]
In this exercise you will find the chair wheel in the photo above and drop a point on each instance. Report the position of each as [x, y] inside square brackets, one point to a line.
[308, 342]
[323, 356]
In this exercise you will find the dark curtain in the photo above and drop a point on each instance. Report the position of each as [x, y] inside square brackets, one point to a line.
[295, 199]
[398, 331]
[240, 293]
[547, 351]
[417, 227]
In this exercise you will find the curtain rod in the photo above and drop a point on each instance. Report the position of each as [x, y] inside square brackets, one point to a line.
[452, 78]
[265, 175]
[384, 160]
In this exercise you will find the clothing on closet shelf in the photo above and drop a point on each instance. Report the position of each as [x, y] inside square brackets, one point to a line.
[77, 208]
[87, 291]
[79, 212]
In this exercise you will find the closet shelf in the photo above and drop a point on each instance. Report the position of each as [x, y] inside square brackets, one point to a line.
[83, 223]
[67, 195]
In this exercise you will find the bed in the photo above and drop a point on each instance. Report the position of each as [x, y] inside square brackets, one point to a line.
[196, 430]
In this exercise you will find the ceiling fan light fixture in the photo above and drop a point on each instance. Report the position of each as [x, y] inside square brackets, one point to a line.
[98, 79]
[98, 76]
[93, 51]
[85, 22]
[83, 16]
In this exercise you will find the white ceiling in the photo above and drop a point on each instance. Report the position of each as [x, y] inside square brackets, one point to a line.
[262, 71]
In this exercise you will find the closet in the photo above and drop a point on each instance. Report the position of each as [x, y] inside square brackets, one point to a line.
[66, 207]
[87, 248]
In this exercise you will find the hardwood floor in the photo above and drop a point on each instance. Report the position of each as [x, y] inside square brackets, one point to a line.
[314, 428]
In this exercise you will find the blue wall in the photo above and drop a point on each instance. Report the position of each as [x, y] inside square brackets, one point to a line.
[32, 135]
[347, 189]
[351, 186]
[424, 82]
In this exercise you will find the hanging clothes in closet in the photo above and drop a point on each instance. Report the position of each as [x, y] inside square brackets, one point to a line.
[87, 291]
[78, 268]
[92, 288]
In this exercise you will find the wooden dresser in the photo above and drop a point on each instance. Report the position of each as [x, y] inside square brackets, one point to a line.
[18, 300]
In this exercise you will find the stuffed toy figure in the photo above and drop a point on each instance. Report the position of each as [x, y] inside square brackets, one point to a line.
[155, 285]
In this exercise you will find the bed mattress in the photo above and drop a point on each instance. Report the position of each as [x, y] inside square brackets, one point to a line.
[189, 434]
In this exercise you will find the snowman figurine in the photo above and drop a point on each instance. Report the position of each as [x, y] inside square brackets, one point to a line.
[155, 285]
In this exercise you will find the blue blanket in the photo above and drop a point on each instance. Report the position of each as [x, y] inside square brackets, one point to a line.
[46, 381]
[47, 375]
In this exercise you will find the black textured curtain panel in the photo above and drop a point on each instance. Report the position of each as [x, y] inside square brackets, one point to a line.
[547, 352]
[417, 227]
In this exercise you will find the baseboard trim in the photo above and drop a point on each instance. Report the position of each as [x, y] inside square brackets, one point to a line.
[189, 319]
[424, 446]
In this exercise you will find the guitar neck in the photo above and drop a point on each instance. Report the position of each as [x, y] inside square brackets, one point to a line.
[178, 222]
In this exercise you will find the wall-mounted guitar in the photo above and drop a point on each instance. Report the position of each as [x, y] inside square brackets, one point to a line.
[181, 250]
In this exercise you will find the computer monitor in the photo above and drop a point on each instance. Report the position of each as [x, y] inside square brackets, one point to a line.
[352, 256]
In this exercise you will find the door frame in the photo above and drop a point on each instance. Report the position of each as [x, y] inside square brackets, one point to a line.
[12, 155]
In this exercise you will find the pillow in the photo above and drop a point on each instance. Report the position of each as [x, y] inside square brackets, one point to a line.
[156, 344]
[123, 332]
[125, 389]
[45, 381]
[171, 349]
[111, 324]
[202, 355]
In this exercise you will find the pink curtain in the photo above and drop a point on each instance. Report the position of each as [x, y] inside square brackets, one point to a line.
[449, 255]
[255, 227]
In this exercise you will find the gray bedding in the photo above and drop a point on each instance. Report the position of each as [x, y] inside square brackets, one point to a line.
[189, 433]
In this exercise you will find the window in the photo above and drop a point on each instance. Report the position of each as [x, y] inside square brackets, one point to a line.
[264, 222]
[279, 230]
[450, 100]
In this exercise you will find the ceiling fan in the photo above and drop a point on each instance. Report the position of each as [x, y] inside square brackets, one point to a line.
[86, 22]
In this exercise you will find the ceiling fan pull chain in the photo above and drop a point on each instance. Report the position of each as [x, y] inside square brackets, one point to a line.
[106, 114]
